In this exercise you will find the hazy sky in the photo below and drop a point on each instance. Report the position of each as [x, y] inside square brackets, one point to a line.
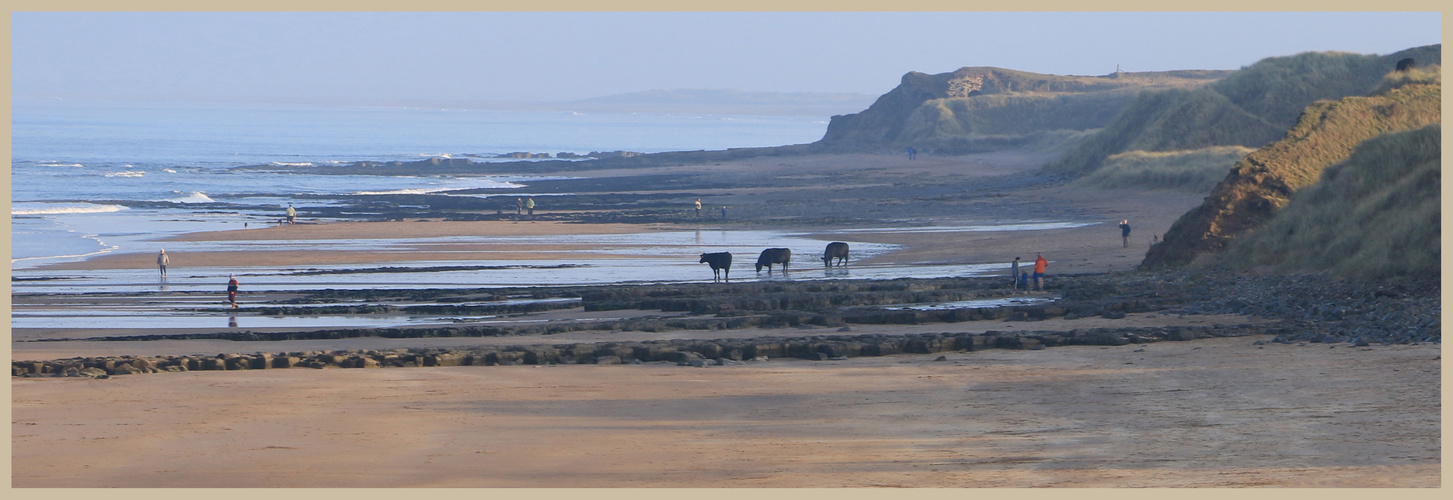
[566, 56]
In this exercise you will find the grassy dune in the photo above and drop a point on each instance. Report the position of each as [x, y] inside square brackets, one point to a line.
[1193, 171]
[1375, 215]
[1168, 121]
[1251, 108]
[976, 109]
[1263, 182]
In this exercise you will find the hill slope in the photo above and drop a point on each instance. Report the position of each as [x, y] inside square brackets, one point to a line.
[1251, 108]
[979, 108]
[1264, 181]
[1375, 215]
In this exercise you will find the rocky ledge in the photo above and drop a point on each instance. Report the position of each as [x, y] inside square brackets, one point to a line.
[1305, 308]
[700, 353]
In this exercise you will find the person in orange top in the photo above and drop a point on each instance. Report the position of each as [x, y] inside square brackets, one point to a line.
[1039, 265]
[232, 290]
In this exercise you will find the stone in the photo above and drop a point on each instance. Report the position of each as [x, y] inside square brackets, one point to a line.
[125, 369]
[261, 361]
[682, 356]
[608, 360]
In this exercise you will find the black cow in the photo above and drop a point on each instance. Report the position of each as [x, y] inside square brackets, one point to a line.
[774, 256]
[718, 261]
[835, 250]
[1406, 64]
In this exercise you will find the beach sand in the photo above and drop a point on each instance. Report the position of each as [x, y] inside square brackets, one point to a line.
[1208, 413]
[1204, 413]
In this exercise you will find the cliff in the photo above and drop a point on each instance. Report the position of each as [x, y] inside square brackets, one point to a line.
[1250, 108]
[1263, 182]
[976, 108]
[1373, 216]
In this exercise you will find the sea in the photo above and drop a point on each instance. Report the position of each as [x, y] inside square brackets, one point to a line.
[91, 177]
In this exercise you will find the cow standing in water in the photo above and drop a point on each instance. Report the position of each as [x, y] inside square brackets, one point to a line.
[718, 261]
[774, 256]
[835, 250]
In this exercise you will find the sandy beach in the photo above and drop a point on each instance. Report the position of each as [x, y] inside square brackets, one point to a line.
[1225, 412]
[1210, 413]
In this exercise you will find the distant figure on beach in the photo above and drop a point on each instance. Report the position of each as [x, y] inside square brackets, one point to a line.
[1039, 265]
[519, 206]
[530, 205]
[1014, 274]
[912, 154]
[723, 212]
[161, 261]
[232, 290]
[1024, 281]
[1125, 233]
[698, 207]
[292, 215]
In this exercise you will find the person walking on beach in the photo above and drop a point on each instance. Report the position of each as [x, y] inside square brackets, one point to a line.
[1125, 232]
[1039, 265]
[698, 207]
[519, 206]
[1014, 274]
[530, 205]
[161, 261]
[232, 290]
[723, 211]
[292, 215]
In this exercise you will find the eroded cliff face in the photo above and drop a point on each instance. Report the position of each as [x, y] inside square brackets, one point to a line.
[930, 110]
[1265, 180]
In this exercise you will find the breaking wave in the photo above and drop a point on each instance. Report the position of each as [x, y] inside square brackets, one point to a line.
[194, 197]
[62, 208]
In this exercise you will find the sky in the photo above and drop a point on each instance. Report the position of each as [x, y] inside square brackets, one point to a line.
[564, 56]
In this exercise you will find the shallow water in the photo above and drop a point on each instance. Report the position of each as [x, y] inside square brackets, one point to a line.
[651, 257]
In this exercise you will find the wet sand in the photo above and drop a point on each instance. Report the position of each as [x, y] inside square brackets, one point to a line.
[1208, 413]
